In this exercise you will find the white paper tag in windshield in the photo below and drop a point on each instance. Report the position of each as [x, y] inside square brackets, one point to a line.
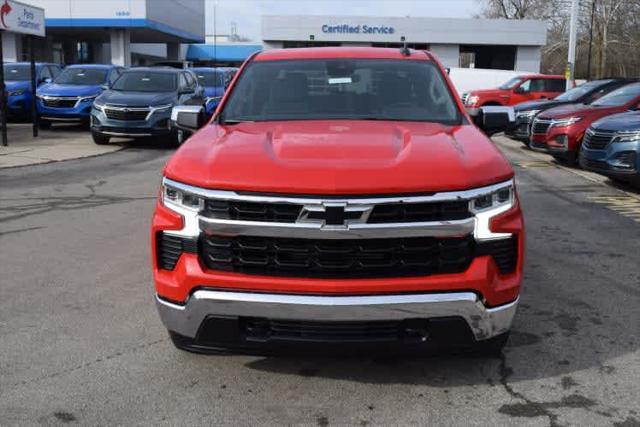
[339, 80]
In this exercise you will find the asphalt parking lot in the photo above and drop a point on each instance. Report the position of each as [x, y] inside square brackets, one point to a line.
[82, 342]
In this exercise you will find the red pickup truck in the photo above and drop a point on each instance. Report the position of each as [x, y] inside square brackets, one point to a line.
[337, 196]
[519, 89]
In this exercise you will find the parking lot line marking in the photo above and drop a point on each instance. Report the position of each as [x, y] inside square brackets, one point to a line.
[624, 205]
[534, 164]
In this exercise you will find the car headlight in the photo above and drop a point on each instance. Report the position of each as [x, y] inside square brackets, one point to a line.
[88, 98]
[161, 108]
[16, 92]
[473, 100]
[629, 136]
[565, 122]
[98, 105]
[177, 198]
[527, 113]
[497, 200]
[213, 99]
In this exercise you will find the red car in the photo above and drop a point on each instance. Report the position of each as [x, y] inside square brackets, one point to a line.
[516, 90]
[338, 196]
[559, 131]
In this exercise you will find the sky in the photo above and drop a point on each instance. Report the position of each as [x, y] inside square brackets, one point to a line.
[246, 13]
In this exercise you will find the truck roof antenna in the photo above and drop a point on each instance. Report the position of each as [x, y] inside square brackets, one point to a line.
[404, 50]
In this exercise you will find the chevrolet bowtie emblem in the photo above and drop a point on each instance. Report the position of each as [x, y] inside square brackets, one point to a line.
[334, 214]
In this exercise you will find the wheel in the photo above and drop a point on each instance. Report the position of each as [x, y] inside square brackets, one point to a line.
[492, 346]
[44, 124]
[99, 138]
[176, 138]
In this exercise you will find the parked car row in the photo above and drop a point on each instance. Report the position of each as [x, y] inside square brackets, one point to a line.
[114, 101]
[595, 125]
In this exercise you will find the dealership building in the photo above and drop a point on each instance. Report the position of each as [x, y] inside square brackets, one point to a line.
[122, 32]
[480, 43]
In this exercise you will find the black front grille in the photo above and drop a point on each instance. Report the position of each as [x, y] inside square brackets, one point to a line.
[59, 102]
[252, 211]
[540, 127]
[419, 212]
[128, 115]
[169, 249]
[381, 214]
[293, 330]
[355, 258]
[503, 251]
[597, 140]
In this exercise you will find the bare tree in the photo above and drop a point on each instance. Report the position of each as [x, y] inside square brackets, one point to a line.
[616, 32]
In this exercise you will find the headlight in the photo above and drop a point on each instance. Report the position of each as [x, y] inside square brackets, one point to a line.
[626, 136]
[88, 98]
[213, 99]
[565, 122]
[98, 105]
[161, 108]
[473, 100]
[527, 113]
[16, 92]
[173, 197]
[496, 201]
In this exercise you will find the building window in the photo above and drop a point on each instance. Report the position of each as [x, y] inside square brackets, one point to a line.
[488, 57]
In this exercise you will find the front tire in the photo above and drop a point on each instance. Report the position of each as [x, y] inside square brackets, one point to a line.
[176, 138]
[492, 346]
[44, 124]
[99, 138]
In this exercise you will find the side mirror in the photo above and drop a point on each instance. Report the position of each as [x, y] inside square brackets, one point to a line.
[187, 117]
[447, 70]
[519, 90]
[46, 80]
[495, 119]
[105, 86]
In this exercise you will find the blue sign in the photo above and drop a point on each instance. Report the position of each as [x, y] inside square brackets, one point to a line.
[357, 29]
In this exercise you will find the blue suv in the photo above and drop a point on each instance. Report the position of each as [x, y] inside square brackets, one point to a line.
[139, 104]
[214, 81]
[70, 96]
[611, 146]
[17, 79]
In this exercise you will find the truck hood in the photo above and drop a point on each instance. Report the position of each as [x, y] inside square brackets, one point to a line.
[338, 157]
[487, 93]
[136, 99]
[53, 89]
[628, 121]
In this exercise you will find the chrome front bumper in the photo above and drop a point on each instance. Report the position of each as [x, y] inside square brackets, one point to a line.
[484, 322]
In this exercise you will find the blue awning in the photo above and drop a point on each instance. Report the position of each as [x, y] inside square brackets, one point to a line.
[221, 53]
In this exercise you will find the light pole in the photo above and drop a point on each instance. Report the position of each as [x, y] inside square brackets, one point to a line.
[571, 60]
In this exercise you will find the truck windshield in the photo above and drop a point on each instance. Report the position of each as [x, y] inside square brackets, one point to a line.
[211, 79]
[619, 97]
[17, 72]
[510, 84]
[82, 76]
[146, 81]
[318, 89]
[579, 92]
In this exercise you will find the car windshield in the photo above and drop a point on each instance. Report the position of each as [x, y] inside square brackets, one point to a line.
[578, 92]
[82, 76]
[17, 72]
[509, 84]
[619, 97]
[210, 78]
[317, 89]
[146, 81]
